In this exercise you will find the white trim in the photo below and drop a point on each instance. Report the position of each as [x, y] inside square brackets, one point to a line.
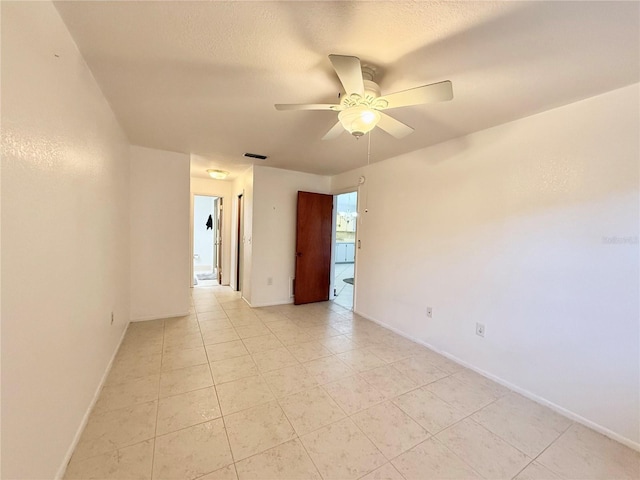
[159, 316]
[271, 304]
[191, 225]
[531, 396]
[74, 443]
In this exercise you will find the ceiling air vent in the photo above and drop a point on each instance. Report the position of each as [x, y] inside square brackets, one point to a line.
[255, 155]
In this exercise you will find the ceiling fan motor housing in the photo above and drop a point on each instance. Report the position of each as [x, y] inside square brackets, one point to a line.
[360, 112]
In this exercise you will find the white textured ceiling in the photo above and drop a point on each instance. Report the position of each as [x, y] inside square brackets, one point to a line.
[202, 77]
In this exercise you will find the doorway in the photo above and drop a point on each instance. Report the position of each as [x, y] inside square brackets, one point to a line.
[239, 243]
[207, 254]
[346, 213]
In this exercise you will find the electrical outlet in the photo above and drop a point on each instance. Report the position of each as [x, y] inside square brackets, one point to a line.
[111, 318]
[270, 281]
[429, 312]
[480, 329]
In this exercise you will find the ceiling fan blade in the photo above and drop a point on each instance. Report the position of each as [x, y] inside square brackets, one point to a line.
[307, 106]
[435, 92]
[335, 131]
[393, 127]
[349, 72]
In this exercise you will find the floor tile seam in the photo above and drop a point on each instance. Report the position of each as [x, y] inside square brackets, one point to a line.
[433, 434]
[281, 400]
[326, 392]
[534, 459]
[110, 451]
[429, 435]
[155, 429]
[224, 423]
[160, 435]
[481, 387]
[419, 386]
[180, 368]
[102, 414]
[493, 433]
[110, 386]
[369, 439]
[411, 378]
[324, 426]
[375, 404]
[295, 437]
[435, 438]
[247, 408]
[451, 404]
[129, 405]
[137, 357]
[190, 390]
[304, 447]
[276, 369]
[507, 441]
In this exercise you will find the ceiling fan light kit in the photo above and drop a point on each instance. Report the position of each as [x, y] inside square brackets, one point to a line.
[359, 120]
[360, 110]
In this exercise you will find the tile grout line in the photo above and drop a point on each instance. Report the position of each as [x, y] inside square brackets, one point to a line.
[215, 388]
[571, 424]
[155, 430]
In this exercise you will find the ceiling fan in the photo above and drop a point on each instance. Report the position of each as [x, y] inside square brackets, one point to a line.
[360, 110]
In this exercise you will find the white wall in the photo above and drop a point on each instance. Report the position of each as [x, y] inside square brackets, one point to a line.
[65, 240]
[274, 230]
[512, 227]
[222, 189]
[160, 261]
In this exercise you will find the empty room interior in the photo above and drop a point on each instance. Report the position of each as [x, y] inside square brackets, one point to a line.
[184, 297]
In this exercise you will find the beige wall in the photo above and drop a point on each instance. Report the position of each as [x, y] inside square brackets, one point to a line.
[274, 230]
[160, 251]
[530, 228]
[65, 240]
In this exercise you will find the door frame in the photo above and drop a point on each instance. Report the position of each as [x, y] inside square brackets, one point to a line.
[239, 241]
[335, 194]
[191, 225]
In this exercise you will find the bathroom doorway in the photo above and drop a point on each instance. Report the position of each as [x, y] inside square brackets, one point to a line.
[206, 240]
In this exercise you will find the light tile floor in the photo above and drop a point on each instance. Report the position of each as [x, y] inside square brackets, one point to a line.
[316, 392]
[343, 290]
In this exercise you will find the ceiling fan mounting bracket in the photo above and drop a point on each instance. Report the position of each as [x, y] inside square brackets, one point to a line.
[368, 72]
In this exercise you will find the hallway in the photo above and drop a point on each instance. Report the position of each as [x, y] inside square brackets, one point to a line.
[316, 392]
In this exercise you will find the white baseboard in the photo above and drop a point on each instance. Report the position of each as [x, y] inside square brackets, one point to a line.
[271, 304]
[159, 316]
[525, 393]
[85, 418]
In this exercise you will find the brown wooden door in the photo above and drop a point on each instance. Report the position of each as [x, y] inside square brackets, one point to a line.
[313, 247]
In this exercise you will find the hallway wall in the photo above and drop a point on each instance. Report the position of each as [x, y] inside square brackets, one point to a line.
[160, 250]
[65, 239]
